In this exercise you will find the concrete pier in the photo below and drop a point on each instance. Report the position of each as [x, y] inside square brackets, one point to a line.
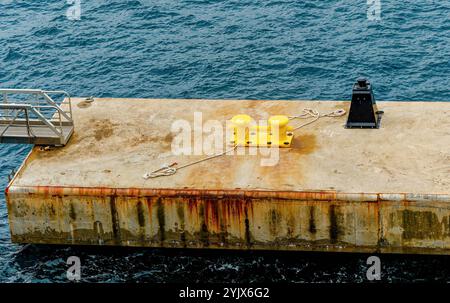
[335, 189]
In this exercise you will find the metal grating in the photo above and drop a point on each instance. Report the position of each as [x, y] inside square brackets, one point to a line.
[31, 116]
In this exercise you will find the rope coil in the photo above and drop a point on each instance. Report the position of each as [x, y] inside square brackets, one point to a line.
[312, 113]
[171, 169]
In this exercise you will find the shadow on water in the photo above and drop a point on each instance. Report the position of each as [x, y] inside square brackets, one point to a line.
[120, 264]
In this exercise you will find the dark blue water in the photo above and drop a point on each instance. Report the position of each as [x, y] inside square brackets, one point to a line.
[218, 49]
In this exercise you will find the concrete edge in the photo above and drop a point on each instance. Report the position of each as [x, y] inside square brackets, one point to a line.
[259, 194]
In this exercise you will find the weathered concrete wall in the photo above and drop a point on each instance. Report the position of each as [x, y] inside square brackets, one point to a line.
[304, 221]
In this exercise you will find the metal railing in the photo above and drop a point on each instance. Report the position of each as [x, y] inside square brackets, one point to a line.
[37, 108]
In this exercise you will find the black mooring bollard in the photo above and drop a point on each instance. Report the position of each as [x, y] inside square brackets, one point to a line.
[363, 109]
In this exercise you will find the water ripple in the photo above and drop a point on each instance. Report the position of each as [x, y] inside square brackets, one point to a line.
[281, 49]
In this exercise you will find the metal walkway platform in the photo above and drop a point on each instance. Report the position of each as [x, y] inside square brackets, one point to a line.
[33, 117]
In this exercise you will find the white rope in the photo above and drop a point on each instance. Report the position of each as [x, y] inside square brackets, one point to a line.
[169, 170]
[312, 113]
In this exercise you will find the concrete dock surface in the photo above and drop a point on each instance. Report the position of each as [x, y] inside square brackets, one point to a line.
[335, 189]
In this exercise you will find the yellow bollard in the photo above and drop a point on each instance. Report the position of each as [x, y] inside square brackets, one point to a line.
[241, 126]
[279, 124]
[247, 133]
